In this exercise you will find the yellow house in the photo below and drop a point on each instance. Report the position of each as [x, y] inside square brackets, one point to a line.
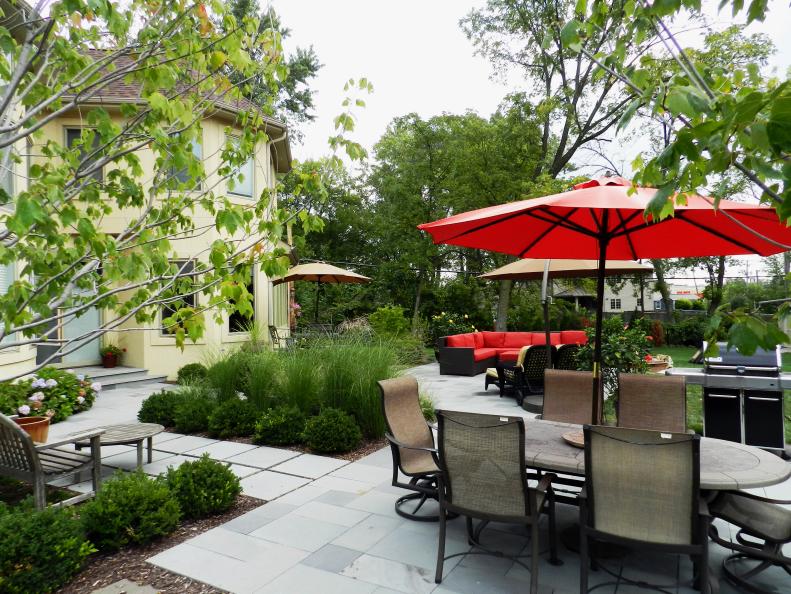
[152, 347]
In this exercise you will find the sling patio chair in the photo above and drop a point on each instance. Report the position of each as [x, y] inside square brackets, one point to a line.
[411, 444]
[568, 396]
[23, 459]
[652, 402]
[483, 477]
[642, 492]
[764, 528]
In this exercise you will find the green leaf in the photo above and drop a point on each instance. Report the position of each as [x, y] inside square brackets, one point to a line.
[581, 8]
[778, 128]
[569, 35]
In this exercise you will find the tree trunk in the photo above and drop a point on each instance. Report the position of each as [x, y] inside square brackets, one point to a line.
[786, 268]
[661, 286]
[503, 301]
[416, 309]
[716, 292]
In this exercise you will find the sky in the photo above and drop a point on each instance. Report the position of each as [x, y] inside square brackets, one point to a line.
[419, 60]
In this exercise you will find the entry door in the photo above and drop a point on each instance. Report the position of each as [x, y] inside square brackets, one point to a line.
[74, 327]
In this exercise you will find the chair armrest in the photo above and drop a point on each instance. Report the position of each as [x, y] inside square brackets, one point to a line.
[759, 498]
[394, 441]
[703, 508]
[72, 438]
[545, 484]
[583, 494]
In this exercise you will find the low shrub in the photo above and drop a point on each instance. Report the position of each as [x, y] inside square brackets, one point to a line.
[191, 373]
[427, 406]
[193, 410]
[389, 320]
[282, 425]
[130, 509]
[40, 550]
[689, 331]
[233, 418]
[56, 393]
[160, 408]
[13, 396]
[682, 304]
[332, 431]
[204, 487]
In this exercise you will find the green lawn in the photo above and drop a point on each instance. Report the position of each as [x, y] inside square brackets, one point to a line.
[681, 356]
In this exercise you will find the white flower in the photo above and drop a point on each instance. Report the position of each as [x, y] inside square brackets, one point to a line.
[36, 397]
[38, 383]
[51, 383]
[81, 376]
[96, 387]
[80, 399]
[24, 409]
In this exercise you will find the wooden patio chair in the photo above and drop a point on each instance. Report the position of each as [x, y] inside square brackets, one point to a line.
[279, 341]
[21, 458]
[642, 492]
[483, 477]
[652, 402]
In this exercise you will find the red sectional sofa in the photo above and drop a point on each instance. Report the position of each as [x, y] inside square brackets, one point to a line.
[473, 353]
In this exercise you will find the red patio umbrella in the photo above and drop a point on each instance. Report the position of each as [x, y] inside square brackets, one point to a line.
[600, 219]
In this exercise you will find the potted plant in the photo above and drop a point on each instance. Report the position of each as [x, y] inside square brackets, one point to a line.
[36, 425]
[111, 355]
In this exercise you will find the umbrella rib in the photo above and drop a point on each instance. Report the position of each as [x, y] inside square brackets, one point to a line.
[483, 226]
[624, 224]
[681, 215]
[558, 220]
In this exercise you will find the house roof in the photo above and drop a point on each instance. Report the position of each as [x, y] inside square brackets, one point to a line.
[121, 91]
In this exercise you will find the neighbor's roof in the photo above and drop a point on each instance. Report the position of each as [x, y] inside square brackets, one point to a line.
[121, 91]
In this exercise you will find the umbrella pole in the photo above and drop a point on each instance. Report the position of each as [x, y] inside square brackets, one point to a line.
[545, 303]
[316, 311]
[598, 392]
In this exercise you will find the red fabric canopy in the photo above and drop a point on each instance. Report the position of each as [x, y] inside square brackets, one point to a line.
[571, 224]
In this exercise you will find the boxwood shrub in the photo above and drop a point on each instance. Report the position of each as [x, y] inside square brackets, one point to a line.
[130, 509]
[204, 487]
[282, 425]
[191, 373]
[332, 431]
[160, 408]
[39, 550]
[192, 413]
[233, 418]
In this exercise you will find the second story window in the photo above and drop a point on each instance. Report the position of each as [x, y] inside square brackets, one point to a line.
[7, 272]
[241, 183]
[182, 176]
[6, 177]
[73, 138]
[615, 304]
[187, 298]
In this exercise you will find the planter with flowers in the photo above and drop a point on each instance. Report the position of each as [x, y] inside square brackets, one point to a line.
[111, 355]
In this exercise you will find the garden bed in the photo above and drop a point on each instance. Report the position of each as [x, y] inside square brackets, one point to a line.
[103, 569]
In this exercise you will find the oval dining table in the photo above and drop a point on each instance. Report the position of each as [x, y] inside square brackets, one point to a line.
[724, 465]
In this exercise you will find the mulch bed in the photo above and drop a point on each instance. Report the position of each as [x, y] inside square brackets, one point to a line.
[104, 569]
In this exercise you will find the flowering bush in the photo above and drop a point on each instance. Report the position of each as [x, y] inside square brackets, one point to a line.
[52, 392]
[447, 324]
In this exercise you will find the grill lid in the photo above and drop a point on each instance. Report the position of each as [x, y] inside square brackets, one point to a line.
[731, 361]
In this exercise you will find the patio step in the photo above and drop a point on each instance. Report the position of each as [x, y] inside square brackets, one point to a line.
[119, 377]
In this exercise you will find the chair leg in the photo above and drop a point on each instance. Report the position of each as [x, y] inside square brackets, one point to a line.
[441, 546]
[584, 561]
[553, 537]
[96, 472]
[534, 556]
[40, 492]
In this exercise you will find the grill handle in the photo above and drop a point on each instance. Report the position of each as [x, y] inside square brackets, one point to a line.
[729, 396]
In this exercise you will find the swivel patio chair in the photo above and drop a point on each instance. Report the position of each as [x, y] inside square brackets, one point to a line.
[484, 478]
[764, 528]
[23, 459]
[411, 444]
[652, 402]
[642, 491]
[566, 357]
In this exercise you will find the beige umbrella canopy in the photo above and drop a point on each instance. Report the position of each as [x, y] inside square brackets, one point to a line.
[533, 269]
[320, 272]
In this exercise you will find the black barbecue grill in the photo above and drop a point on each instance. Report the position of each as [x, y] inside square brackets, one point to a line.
[743, 398]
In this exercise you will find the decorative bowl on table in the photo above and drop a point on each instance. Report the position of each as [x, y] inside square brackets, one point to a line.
[657, 363]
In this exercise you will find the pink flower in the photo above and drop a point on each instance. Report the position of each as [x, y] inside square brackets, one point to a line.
[24, 410]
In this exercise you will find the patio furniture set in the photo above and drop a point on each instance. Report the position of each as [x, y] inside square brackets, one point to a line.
[645, 484]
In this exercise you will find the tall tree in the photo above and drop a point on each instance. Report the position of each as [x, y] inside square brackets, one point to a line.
[287, 91]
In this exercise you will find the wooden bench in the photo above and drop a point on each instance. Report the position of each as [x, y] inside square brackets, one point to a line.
[21, 458]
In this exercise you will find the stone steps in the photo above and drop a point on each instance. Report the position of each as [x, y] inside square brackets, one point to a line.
[119, 377]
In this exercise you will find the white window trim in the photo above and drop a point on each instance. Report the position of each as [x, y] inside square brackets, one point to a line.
[66, 129]
[234, 192]
[161, 333]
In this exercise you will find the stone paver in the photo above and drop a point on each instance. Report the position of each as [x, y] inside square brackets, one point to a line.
[332, 558]
[269, 485]
[160, 466]
[333, 514]
[391, 574]
[125, 587]
[128, 460]
[299, 532]
[310, 466]
[303, 578]
[263, 457]
[181, 445]
[222, 450]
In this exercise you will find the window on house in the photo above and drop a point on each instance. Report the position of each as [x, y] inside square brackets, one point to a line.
[73, 137]
[238, 322]
[7, 272]
[639, 303]
[658, 305]
[615, 304]
[241, 183]
[6, 177]
[182, 176]
[187, 298]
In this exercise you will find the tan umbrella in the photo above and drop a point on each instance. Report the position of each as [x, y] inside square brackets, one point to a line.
[320, 272]
[534, 269]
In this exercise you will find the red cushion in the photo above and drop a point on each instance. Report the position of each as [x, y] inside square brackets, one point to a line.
[517, 339]
[481, 354]
[508, 355]
[478, 340]
[573, 337]
[539, 338]
[493, 339]
[461, 340]
[554, 338]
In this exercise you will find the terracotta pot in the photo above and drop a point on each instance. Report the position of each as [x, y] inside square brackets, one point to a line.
[109, 360]
[37, 427]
